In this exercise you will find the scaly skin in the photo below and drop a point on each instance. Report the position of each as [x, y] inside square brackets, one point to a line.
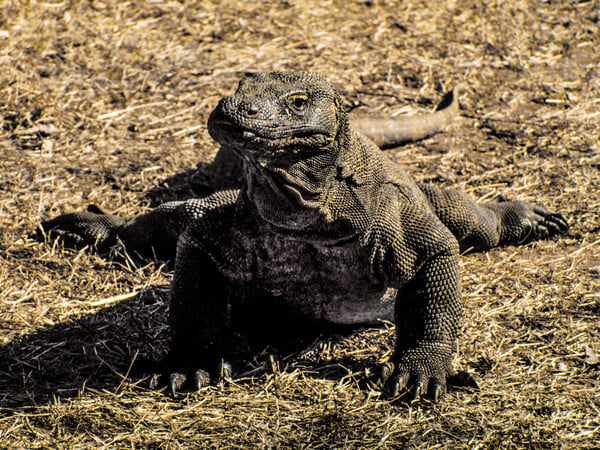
[324, 227]
[387, 132]
[225, 171]
[155, 235]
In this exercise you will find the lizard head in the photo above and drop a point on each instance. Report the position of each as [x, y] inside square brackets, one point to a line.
[278, 118]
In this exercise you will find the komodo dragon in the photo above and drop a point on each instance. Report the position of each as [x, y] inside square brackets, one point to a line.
[325, 229]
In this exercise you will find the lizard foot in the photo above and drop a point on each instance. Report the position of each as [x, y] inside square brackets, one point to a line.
[413, 376]
[524, 222]
[92, 227]
[181, 380]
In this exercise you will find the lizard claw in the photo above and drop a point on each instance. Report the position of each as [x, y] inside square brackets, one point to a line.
[202, 379]
[438, 390]
[176, 382]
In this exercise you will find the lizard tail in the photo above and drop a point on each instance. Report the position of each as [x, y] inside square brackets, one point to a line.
[391, 132]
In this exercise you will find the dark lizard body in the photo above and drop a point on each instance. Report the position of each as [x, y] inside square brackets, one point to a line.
[325, 228]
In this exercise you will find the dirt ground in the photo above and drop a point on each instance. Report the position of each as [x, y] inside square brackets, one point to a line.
[101, 102]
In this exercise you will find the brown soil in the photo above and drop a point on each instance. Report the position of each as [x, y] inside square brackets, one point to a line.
[100, 102]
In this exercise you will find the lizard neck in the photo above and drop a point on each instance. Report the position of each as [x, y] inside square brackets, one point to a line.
[314, 192]
[290, 197]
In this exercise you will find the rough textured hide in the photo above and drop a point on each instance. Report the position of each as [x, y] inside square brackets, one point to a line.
[324, 227]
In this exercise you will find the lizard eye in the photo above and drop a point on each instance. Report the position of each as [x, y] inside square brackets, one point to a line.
[298, 101]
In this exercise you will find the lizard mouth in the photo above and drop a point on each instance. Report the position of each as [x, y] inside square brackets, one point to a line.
[223, 127]
[266, 144]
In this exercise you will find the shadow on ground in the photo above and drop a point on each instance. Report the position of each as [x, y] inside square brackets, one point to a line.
[93, 351]
[98, 350]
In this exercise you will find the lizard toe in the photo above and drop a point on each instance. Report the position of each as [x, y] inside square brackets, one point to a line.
[156, 381]
[437, 390]
[385, 372]
[400, 383]
[176, 381]
[201, 379]
[419, 388]
[541, 231]
[557, 224]
[225, 370]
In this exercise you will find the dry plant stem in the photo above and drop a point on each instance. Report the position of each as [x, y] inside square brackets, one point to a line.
[101, 102]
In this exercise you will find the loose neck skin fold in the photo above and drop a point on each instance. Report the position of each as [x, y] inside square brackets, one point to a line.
[291, 195]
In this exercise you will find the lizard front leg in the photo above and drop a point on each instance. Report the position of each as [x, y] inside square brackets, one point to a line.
[150, 235]
[199, 317]
[427, 315]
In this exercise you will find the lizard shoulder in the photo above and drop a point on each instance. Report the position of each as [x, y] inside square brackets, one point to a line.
[404, 234]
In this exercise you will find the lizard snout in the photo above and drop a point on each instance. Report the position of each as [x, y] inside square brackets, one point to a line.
[240, 108]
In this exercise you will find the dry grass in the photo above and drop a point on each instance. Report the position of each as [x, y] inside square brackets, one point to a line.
[100, 101]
